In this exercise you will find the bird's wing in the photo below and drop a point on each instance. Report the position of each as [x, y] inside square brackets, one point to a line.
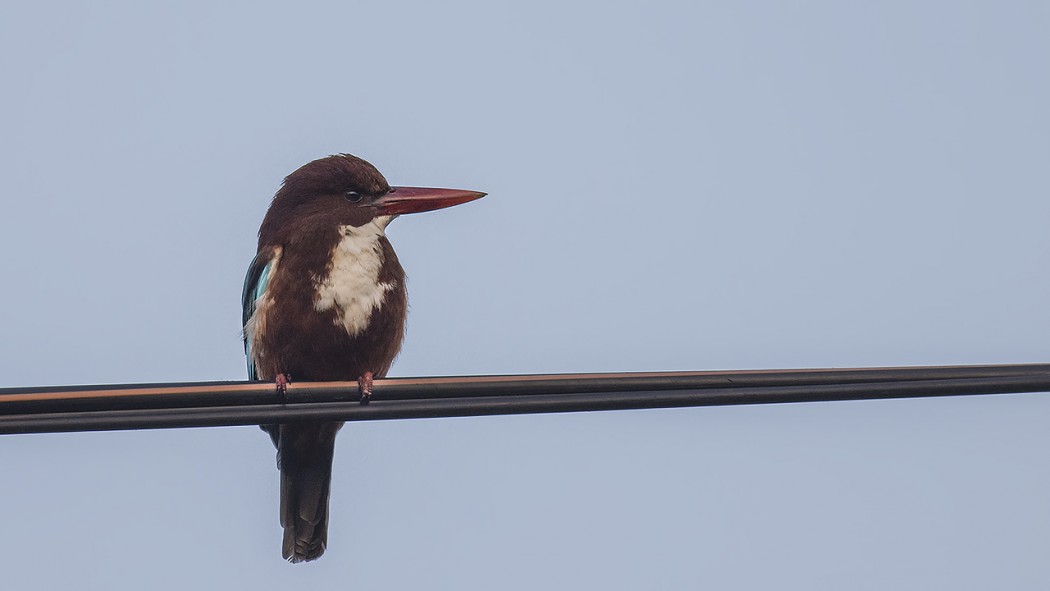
[255, 284]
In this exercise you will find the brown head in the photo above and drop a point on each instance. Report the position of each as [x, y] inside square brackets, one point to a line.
[344, 190]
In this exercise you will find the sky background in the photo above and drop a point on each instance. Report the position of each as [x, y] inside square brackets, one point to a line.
[672, 186]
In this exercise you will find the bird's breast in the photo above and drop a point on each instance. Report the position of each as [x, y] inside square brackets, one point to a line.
[351, 284]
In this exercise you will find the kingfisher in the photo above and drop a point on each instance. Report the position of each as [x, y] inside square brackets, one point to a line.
[325, 300]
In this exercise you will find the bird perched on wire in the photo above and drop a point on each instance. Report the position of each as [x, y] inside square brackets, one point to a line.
[324, 299]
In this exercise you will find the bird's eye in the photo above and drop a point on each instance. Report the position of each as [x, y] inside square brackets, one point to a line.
[352, 196]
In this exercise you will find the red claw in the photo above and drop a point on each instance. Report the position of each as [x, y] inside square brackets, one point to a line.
[364, 387]
[282, 381]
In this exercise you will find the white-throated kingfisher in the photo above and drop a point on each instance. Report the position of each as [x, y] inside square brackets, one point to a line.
[325, 300]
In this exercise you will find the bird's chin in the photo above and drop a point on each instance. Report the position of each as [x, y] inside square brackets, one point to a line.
[374, 227]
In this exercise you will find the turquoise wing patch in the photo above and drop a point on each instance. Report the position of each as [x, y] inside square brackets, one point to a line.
[255, 284]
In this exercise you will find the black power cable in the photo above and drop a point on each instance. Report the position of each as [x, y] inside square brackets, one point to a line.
[205, 404]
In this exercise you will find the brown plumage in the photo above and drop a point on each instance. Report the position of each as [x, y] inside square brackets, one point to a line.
[325, 300]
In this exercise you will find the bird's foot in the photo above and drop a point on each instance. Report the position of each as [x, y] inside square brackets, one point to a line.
[364, 387]
[282, 380]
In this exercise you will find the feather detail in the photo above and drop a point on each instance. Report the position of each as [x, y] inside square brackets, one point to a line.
[255, 304]
[351, 285]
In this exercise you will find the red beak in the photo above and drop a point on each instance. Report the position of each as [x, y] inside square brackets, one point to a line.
[418, 199]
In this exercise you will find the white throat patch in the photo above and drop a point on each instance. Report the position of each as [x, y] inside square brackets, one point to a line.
[352, 286]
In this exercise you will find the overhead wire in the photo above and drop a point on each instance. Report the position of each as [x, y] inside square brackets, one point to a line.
[210, 404]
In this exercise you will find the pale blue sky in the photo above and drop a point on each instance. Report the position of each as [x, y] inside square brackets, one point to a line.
[672, 186]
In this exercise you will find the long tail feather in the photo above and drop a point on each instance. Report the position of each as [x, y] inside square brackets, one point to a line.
[305, 457]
